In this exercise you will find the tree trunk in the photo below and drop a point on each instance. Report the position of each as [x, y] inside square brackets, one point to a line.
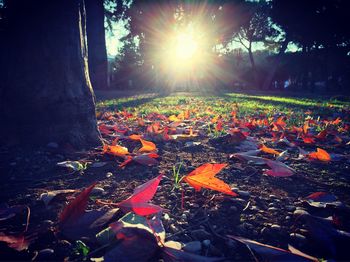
[272, 72]
[98, 65]
[47, 95]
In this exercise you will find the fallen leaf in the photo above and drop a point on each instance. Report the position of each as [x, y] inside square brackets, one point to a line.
[320, 155]
[73, 165]
[147, 146]
[271, 253]
[18, 243]
[135, 137]
[7, 212]
[269, 150]
[278, 169]
[47, 197]
[75, 208]
[204, 176]
[137, 202]
[115, 150]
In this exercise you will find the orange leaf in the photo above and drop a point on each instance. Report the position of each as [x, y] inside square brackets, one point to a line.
[269, 150]
[116, 150]
[147, 146]
[320, 154]
[204, 176]
[135, 137]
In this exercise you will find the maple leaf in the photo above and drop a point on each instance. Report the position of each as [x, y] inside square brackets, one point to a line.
[278, 169]
[137, 202]
[147, 146]
[115, 150]
[135, 137]
[144, 159]
[75, 208]
[204, 176]
[320, 154]
[269, 150]
[18, 243]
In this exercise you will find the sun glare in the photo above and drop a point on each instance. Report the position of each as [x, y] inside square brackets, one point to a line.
[183, 53]
[186, 46]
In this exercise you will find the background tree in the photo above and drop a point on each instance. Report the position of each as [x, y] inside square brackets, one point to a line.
[46, 94]
[97, 53]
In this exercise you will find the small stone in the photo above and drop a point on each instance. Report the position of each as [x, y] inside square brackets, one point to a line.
[297, 237]
[276, 227]
[272, 196]
[45, 254]
[183, 216]
[290, 208]
[97, 190]
[173, 228]
[193, 247]
[265, 231]
[206, 242]
[254, 208]
[272, 209]
[244, 194]
[200, 234]
[48, 222]
[300, 212]
[166, 217]
[109, 174]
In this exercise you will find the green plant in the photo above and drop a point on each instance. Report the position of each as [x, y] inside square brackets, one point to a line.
[176, 175]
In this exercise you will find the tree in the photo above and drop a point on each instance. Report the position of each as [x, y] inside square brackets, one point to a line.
[46, 94]
[97, 53]
[254, 27]
[313, 25]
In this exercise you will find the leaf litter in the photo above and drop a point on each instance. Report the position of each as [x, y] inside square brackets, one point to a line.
[282, 192]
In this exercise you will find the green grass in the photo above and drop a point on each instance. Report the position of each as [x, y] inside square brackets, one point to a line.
[252, 105]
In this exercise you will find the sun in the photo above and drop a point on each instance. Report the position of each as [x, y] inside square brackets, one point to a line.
[186, 46]
[182, 51]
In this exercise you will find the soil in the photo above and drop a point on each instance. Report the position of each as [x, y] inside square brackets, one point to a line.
[266, 209]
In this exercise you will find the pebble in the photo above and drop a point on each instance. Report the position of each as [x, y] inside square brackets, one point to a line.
[300, 212]
[173, 228]
[276, 227]
[206, 243]
[297, 237]
[45, 254]
[166, 217]
[272, 196]
[109, 174]
[290, 208]
[272, 209]
[244, 194]
[200, 234]
[193, 247]
[97, 190]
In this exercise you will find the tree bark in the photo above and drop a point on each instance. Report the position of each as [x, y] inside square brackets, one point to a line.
[47, 95]
[98, 65]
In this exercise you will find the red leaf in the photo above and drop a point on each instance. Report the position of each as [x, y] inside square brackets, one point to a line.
[137, 202]
[75, 208]
[204, 176]
[18, 243]
[278, 169]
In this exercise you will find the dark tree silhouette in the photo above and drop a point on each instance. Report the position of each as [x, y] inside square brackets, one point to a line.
[97, 53]
[46, 94]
